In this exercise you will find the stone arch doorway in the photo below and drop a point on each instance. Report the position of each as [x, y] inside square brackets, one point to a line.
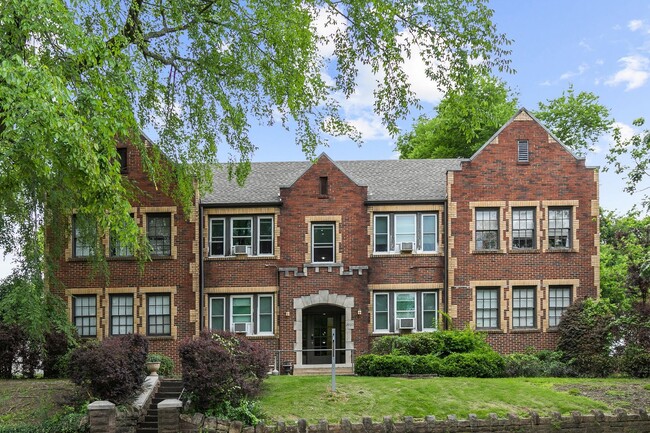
[317, 314]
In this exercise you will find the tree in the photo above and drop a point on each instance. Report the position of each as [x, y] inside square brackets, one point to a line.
[77, 76]
[467, 117]
[631, 157]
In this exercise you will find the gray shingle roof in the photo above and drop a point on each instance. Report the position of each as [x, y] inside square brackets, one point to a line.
[387, 180]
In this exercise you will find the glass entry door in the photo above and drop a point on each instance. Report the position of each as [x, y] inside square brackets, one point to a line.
[318, 323]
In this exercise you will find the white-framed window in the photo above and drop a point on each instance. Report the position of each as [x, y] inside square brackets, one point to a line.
[487, 229]
[487, 307]
[241, 232]
[84, 315]
[523, 228]
[249, 314]
[559, 227]
[159, 316]
[412, 232]
[84, 234]
[217, 313]
[265, 236]
[121, 318]
[395, 311]
[217, 236]
[323, 241]
[235, 235]
[381, 312]
[265, 314]
[159, 233]
[429, 311]
[523, 307]
[559, 299]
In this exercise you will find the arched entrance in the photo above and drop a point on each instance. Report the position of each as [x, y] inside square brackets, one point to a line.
[316, 315]
[318, 323]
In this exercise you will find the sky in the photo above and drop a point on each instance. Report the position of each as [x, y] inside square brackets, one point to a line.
[599, 46]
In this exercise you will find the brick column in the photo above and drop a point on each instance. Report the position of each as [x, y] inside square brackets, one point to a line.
[102, 415]
[168, 415]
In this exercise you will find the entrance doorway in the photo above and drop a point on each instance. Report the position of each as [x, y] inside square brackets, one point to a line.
[318, 322]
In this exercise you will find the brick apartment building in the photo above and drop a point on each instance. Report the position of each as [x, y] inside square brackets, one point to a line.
[502, 242]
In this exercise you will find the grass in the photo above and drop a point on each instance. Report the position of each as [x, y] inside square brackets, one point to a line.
[32, 401]
[289, 398]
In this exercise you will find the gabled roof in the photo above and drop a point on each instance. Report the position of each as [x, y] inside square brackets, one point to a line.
[404, 180]
[523, 111]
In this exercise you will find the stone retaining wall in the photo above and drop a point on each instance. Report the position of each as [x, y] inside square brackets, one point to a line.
[595, 422]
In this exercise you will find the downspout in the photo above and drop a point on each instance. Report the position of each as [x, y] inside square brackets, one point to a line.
[201, 270]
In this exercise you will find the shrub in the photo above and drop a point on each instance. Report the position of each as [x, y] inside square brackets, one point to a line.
[586, 338]
[383, 365]
[222, 366]
[247, 411]
[440, 343]
[56, 354]
[12, 342]
[426, 364]
[636, 361]
[474, 364]
[112, 370]
[166, 363]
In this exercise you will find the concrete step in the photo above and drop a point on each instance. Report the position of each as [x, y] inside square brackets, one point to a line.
[321, 371]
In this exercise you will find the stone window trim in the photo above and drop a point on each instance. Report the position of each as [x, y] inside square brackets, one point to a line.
[172, 211]
[88, 326]
[256, 300]
[338, 237]
[502, 322]
[378, 210]
[71, 252]
[97, 292]
[106, 305]
[143, 314]
[226, 214]
[224, 292]
[500, 206]
[111, 246]
[418, 239]
[539, 298]
[401, 287]
[574, 285]
[574, 243]
[120, 307]
[391, 310]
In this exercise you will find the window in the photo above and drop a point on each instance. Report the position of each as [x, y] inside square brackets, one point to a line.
[117, 248]
[217, 236]
[420, 307]
[523, 228]
[122, 156]
[429, 311]
[415, 232]
[323, 186]
[322, 241]
[559, 299]
[265, 236]
[523, 307]
[522, 151]
[265, 314]
[559, 227]
[159, 234]
[159, 316]
[217, 314]
[252, 314]
[242, 234]
[487, 307]
[84, 233]
[381, 234]
[84, 315]
[121, 314]
[381, 312]
[487, 229]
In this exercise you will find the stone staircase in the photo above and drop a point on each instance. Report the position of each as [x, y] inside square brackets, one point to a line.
[168, 389]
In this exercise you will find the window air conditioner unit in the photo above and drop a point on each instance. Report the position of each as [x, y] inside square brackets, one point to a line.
[406, 246]
[241, 249]
[406, 323]
[241, 328]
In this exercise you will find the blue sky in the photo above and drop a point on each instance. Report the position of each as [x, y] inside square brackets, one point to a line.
[601, 46]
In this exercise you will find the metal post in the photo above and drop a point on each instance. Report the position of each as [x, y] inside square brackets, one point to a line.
[333, 359]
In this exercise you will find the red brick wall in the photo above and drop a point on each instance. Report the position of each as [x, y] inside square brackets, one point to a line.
[494, 178]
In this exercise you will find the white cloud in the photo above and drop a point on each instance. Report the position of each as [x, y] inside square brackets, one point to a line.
[635, 25]
[570, 74]
[546, 83]
[626, 130]
[583, 44]
[370, 127]
[635, 72]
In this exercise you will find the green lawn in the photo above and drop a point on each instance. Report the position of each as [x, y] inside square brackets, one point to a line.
[289, 398]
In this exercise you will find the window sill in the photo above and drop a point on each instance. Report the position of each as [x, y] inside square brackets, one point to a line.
[553, 329]
[240, 257]
[525, 331]
[162, 257]
[488, 252]
[262, 337]
[491, 330]
[405, 254]
[525, 251]
[160, 337]
[561, 250]
[121, 259]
